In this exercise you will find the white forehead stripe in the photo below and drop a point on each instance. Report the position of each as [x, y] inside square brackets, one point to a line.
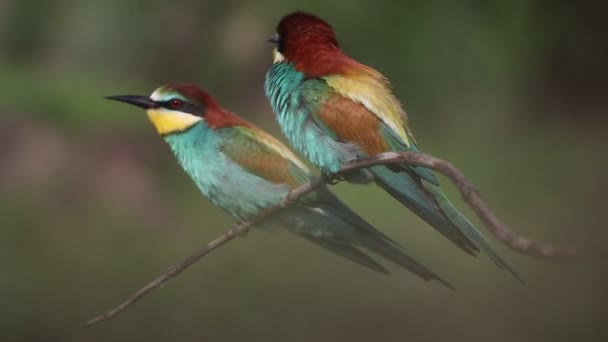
[157, 94]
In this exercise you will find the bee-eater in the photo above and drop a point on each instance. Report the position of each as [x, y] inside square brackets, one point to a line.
[242, 169]
[334, 109]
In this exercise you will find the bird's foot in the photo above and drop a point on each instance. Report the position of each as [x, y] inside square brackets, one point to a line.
[333, 178]
[362, 177]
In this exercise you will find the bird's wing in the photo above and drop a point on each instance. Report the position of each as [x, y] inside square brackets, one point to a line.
[361, 93]
[261, 154]
[345, 113]
[368, 88]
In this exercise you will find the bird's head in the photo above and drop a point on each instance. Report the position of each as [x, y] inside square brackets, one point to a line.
[300, 34]
[175, 108]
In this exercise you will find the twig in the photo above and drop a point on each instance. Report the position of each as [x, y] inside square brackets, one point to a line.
[469, 193]
[236, 230]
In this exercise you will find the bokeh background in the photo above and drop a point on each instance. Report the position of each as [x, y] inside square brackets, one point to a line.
[93, 205]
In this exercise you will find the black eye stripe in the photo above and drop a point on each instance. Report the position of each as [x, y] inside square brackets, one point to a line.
[167, 104]
[175, 103]
[186, 107]
[280, 44]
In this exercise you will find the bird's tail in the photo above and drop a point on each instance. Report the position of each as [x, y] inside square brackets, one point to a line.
[378, 244]
[337, 228]
[429, 202]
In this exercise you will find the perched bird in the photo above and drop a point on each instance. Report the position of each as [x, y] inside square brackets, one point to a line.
[243, 170]
[334, 109]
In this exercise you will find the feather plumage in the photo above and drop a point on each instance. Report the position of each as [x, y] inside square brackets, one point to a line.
[243, 170]
[334, 109]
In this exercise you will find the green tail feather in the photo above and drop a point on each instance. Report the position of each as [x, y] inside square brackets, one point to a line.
[368, 237]
[387, 249]
[402, 186]
[332, 225]
[428, 201]
[469, 230]
[350, 252]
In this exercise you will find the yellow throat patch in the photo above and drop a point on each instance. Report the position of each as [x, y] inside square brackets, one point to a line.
[170, 121]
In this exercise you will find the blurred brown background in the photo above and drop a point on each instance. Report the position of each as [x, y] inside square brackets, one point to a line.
[93, 205]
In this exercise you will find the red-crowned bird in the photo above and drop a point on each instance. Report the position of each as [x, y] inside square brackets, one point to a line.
[334, 109]
[243, 170]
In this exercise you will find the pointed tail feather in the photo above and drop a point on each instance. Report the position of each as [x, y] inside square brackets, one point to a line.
[363, 234]
[403, 187]
[350, 252]
[332, 225]
[378, 245]
[469, 230]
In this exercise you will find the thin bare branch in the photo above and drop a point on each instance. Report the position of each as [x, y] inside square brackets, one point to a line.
[236, 230]
[469, 193]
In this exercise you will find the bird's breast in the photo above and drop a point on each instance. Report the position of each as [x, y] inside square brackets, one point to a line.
[224, 182]
[295, 100]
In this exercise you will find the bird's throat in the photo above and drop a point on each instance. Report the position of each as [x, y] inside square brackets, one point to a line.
[167, 122]
[277, 57]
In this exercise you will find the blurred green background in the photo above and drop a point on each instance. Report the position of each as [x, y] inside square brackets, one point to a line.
[93, 205]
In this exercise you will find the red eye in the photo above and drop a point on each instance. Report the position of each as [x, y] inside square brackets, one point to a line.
[176, 104]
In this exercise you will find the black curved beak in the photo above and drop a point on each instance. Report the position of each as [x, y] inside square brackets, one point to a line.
[274, 39]
[136, 100]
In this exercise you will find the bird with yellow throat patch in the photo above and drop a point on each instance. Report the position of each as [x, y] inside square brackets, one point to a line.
[242, 169]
